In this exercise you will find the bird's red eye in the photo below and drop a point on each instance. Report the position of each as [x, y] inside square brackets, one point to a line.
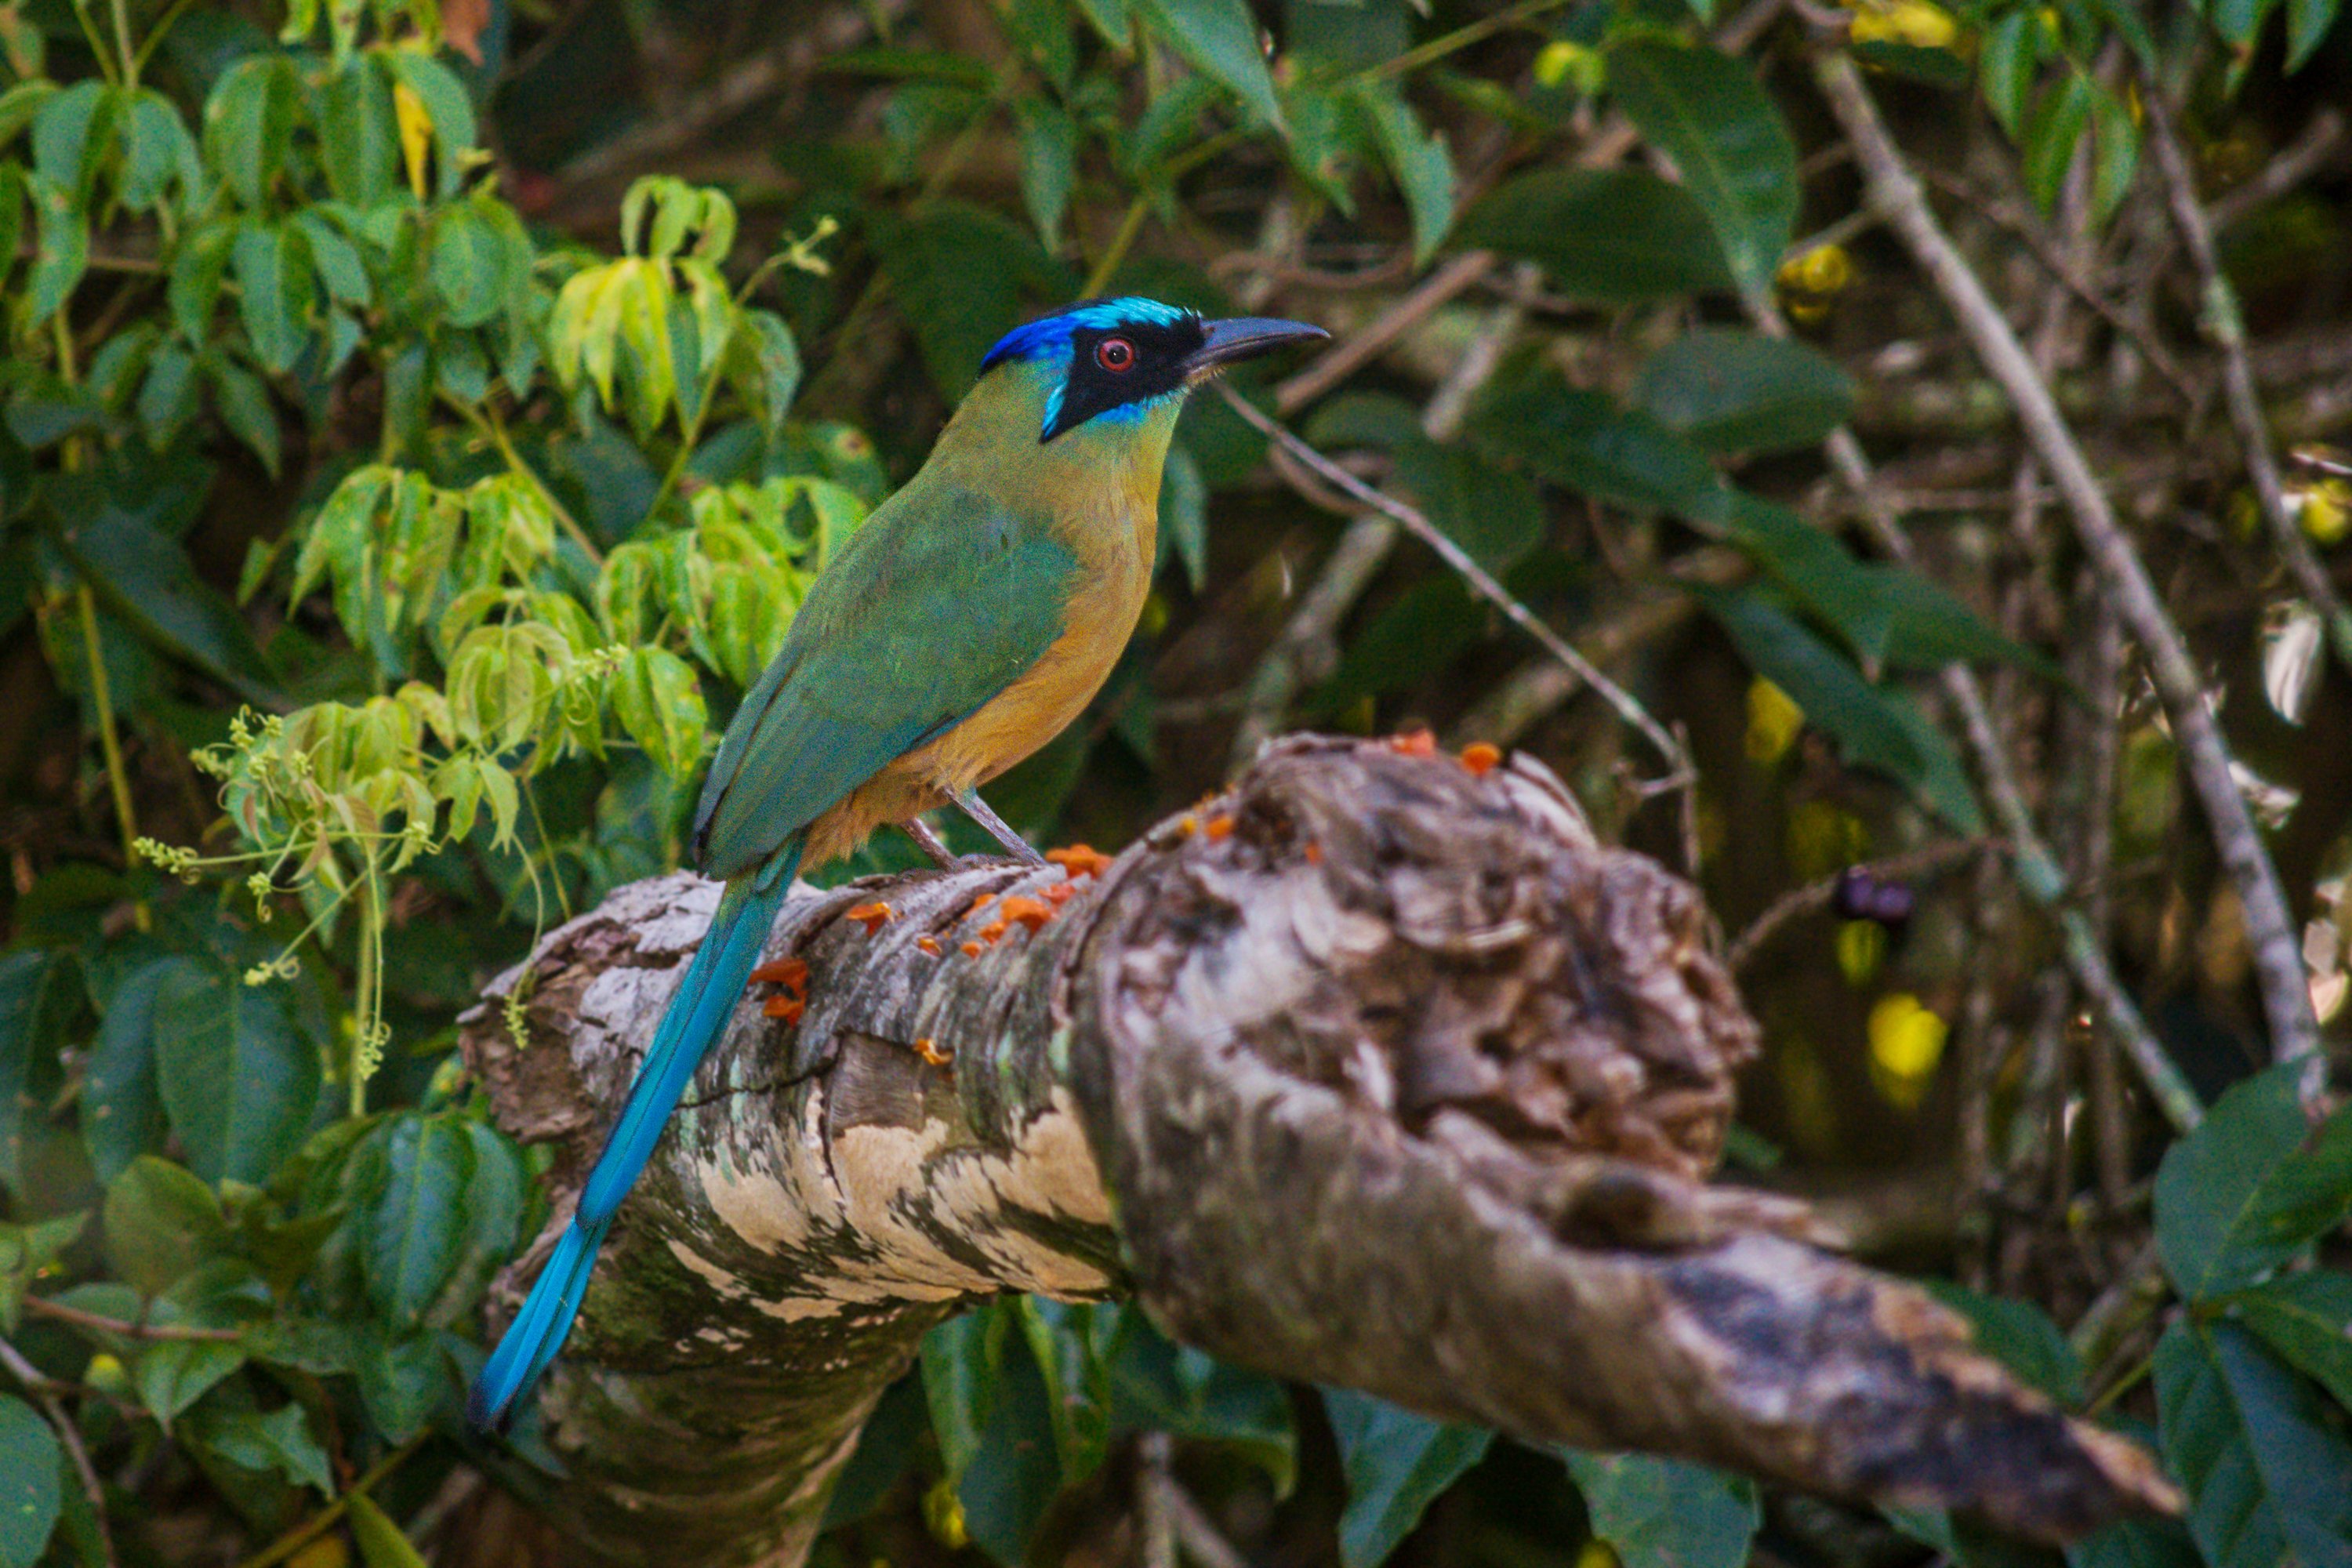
[1116, 355]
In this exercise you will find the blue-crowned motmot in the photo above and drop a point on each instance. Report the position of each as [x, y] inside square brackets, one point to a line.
[970, 619]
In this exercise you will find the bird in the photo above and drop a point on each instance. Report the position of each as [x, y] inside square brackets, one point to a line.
[973, 616]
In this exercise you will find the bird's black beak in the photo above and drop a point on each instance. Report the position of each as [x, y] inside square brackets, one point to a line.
[1244, 337]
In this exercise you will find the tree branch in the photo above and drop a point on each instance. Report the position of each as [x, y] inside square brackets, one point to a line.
[1400, 1081]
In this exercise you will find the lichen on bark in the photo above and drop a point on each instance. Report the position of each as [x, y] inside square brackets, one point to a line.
[1373, 1071]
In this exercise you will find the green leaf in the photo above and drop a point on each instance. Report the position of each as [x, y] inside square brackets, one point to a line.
[1666, 1513]
[238, 1078]
[960, 277]
[2239, 22]
[39, 992]
[1178, 1390]
[1219, 38]
[161, 1222]
[273, 294]
[1415, 634]
[962, 1362]
[2054, 133]
[245, 408]
[497, 1198]
[359, 137]
[1584, 441]
[1397, 1464]
[2307, 1319]
[156, 152]
[335, 257]
[30, 1459]
[1491, 512]
[380, 1544]
[779, 359]
[1184, 515]
[445, 104]
[26, 1253]
[402, 1379]
[1049, 164]
[416, 1228]
[1874, 727]
[468, 268]
[2020, 1335]
[1706, 112]
[658, 701]
[1417, 157]
[2007, 64]
[2251, 1187]
[280, 1441]
[2269, 1477]
[2307, 22]
[60, 249]
[2116, 153]
[250, 122]
[72, 135]
[147, 580]
[194, 285]
[1077, 1389]
[2137, 1543]
[1611, 237]
[1733, 391]
[1013, 1477]
[172, 1375]
[122, 1113]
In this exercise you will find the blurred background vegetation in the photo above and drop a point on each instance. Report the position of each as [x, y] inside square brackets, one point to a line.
[418, 421]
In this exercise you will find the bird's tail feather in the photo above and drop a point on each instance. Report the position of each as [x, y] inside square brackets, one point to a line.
[695, 1019]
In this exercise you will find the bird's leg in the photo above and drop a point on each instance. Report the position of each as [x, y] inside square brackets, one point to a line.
[933, 846]
[998, 828]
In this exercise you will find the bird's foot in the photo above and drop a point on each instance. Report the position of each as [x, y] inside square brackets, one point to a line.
[1020, 849]
[934, 847]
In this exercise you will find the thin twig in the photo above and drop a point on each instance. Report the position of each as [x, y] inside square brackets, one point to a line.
[2312, 151]
[62, 1313]
[1677, 761]
[68, 1434]
[2226, 326]
[1892, 188]
[1816, 896]
[1154, 1483]
[1359, 349]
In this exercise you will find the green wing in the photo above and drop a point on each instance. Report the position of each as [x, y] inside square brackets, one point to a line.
[941, 600]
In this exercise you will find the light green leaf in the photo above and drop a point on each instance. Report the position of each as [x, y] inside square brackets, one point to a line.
[658, 701]
[359, 137]
[779, 359]
[1218, 38]
[273, 294]
[280, 1441]
[60, 249]
[380, 1544]
[2307, 22]
[239, 1080]
[2251, 1187]
[2054, 135]
[157, 151]
[194, 285]
[2114, 153]
[2269, 1477]
[30, 1459]
[1733, 391]
[468, 268]
[1397, 1464]
[172, 1374]
[1706, 112]
[249, 123]
[1666, 1513]
[1611, 236]
[2007, 64]
[72, 135]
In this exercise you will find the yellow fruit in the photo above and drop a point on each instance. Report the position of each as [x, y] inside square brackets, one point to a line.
[1773, 721]
[1906, 1042]
[1918, 23]
[2326, 513]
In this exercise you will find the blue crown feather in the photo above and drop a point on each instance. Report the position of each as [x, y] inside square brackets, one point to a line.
[1049, 336]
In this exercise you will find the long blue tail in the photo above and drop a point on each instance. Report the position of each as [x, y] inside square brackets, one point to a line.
[697, 1016]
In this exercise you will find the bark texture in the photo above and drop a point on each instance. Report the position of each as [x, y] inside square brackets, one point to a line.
[1371, 1071]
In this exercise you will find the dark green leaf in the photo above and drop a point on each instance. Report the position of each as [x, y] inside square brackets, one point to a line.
[2137, 1543]
[1218, 38]
[1874, 727]
[1414, 635]
[147, 580]
[402, 1381]
[960, 276]
[1397, 1464]
[280, 1441]
[1666, 1513]
[2007, 64]
[2239, 21]
[359, 139]
[157, 151]
[1417, 157]
[468, 268]
[2054, 135]
[30, 1457]
[1493, 513]
[415, 1230]
[445, 104]
[779, 359]
[1705, 110]
[1077, 1389]
[336, 259]
[1938, 67]
[39, 992]
[26, 1253]
[238, 1077]
[1178, 1390]
[2269, 1479]
[1049, 164]
[1584, 441]
[2307, 1319]
[497, 1197]
[1614, 237]
[161, 1222]
[1740, 392]
[2021, 1337]
[72, 135]
[2250, 1187]
[886, 1445]
[194, 285]
[122, 1113]
[172, 1374]
[1015, 1474]
[962, 1361]
[1184, 515]
[245, 408]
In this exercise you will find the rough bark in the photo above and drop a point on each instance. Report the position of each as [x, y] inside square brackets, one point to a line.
[1373, 1071]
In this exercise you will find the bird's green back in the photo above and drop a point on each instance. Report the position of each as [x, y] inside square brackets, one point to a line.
[941, 600]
